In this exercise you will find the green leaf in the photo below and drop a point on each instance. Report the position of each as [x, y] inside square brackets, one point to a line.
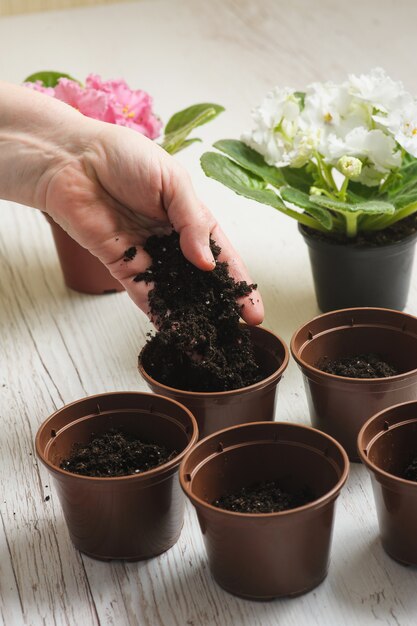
[298, 177]
[226, 171]
[250, 160]
[369, 206]
[48, 78]
[185, 144]
[190, 114]
[174, 140]
[357, 192]
[301, 96]
[301, 199]
[247, 184]
[404, 191]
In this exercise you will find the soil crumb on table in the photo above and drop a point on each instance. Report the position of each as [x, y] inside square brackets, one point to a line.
[200, 345]
[264, 497]
[115, 453]
[358, 366]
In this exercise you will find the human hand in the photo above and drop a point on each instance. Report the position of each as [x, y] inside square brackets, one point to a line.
[111, 188]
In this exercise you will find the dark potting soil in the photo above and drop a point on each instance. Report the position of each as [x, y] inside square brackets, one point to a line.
[200, 345]
[358, 366]
[410, 472]
[129, 254]
[115, 453]
[397, 232]
[264, 497]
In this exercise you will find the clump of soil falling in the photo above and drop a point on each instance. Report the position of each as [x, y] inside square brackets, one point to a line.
[358, 366]
[115, 453]
[264, 497]
[200, 345]
[410, 472]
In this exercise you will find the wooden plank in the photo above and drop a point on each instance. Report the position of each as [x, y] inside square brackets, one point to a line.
[57, 346]
[17, 7]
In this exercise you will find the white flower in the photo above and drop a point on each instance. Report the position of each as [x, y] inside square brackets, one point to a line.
[276, 125]
[403, 125]
[325, 104]
[379, 90]
[367, 117]
[378, 152]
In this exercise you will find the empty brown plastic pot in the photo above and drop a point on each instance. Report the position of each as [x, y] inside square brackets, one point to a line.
[216, 410]
[266, 555]
[387, 443]
[83, 272]
[129, 517]
[340, 406]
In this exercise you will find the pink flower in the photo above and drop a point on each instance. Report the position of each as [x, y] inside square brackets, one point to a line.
[132, 108]
[38, 86]
[90, 102]
[109, 101]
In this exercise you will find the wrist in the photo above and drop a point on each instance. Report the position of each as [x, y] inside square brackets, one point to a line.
[38, 137]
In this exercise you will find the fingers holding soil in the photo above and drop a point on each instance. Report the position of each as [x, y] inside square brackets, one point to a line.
[253, 309]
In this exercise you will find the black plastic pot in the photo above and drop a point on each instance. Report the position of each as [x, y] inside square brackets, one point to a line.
[352, 276]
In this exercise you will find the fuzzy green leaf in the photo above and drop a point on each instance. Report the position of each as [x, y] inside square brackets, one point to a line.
[369, 206]
[301, 199]
[204, 113]
[404, 192]
[48, 78]
[250, 160]
[247, 184]
[174, 141]
[298, 177]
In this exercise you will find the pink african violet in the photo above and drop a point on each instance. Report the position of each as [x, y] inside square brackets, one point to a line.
[89, 102]
[38, 86]
[132, 108]
[109, 101]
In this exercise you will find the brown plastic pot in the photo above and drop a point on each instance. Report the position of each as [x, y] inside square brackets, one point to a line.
[267, 555]
[129, 517]
[340, 406]
[387, 443]
[83, 272]
[217, 410]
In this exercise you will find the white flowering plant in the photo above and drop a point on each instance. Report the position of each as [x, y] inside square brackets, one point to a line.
[339, 158]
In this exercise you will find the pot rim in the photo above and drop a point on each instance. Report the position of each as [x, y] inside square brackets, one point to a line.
[364, 457]
[138, 477]
[221, 394]
[365, 248]
[348, 379]
[314, 504]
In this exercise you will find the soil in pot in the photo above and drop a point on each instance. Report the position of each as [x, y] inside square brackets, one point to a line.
[397, 232]
[125, 515]
[264, 497]
[387, 447]
[358, 366]
[115, 453]
[200, 345]
[266, 554]
[340, 402]
[410, 472]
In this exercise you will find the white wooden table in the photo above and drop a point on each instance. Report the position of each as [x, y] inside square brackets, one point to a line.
[57, 346]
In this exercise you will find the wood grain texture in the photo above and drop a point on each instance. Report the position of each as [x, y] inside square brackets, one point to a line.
[57, 346]
[16, 7]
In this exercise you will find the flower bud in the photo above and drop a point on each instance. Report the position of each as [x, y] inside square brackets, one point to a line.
[350, 167]
[315, 191]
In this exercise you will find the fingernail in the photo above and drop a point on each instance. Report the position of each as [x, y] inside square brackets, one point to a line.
[208, 255]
